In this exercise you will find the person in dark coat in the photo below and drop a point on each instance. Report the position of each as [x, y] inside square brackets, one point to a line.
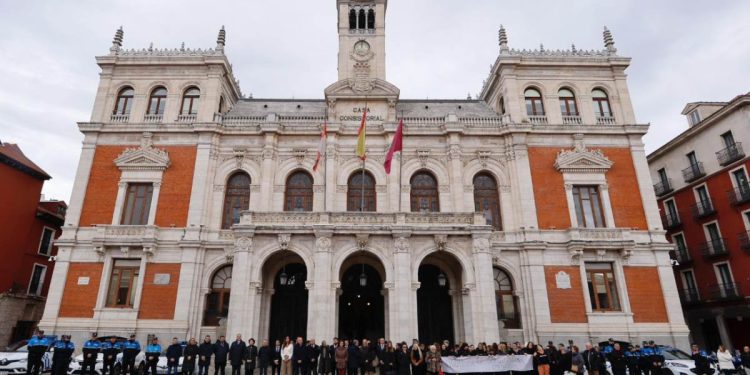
[221, 350]
[237, 353]
[632, 358]
[566, 358]
[370, 359]
[276, 358]
[174, 352]
[110, 349]
[190, 354]
[701, 360]
[403, 360]
[205, 351]
[312, 352]
[61, 357]
[354, 359]
[388, 360]
[325, 362]
[618, 360]
[417, 360]
[299, 358]
[592, 359]
[264, 357]
[251, 357]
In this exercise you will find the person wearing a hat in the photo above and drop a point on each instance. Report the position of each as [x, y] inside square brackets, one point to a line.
[63, 353]
[36, 346]
[90, 351]
[130, 350]
[153, 351]
[110, 349]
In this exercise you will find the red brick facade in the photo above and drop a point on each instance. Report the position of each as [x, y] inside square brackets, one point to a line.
[565, 305]
[79, 300]
[645, 294]
[158, 301]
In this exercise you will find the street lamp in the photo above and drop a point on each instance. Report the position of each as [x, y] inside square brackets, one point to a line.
[283, 277]
[441, 279]
[363, 277]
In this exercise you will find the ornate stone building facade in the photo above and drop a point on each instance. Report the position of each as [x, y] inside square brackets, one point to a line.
[525, 214]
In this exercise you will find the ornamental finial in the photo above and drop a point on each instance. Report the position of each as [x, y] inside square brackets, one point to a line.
[503, 39]
[117, 41]
[609, 41]
[221, 39]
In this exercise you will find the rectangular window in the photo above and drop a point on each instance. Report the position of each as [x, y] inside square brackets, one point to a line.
[37, 280]
[45, 245]
[679, 241]
[740, 179]
[692, 159]
[702, 195]
[688, 280]
[137, 204]
[663, 176]
[713, 232]
[723, 274]
[728, 139]
[695, 117]
[122, 282]
[588, 206]
[602, 287]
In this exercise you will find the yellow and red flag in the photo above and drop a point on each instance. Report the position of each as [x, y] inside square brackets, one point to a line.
[361, 136]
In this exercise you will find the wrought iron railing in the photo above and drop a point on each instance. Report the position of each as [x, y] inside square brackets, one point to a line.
[739, 195]
[703, 208]
[663, 187]
[671, 221]
[693, 172]
[690, 296]
[726, 291]
[730, 154]
[714, 248]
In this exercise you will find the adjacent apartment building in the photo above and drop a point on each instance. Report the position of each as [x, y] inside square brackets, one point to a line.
[28, 227]
[701, 181]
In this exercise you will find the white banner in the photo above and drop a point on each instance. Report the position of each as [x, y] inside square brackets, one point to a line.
[495, 363]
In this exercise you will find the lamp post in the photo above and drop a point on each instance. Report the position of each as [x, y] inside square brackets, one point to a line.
[363, 277]
[441, 279]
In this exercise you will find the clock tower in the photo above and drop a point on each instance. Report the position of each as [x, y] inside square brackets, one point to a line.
[361, 26]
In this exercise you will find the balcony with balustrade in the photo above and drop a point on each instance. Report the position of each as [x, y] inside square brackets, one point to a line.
[663, 187]
[153, 118]
[682, 256]
[689, 296]
[730, 154]
[671, 221]
[744, 240]
[538, 119]
[739, 195]
[187, 118]
[693, 172]
[714, 248]
[119, 119]
[725, 292]
[605, 120]
[703, 209]
[571, 120]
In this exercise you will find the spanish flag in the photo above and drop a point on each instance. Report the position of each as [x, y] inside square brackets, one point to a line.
[361, 136]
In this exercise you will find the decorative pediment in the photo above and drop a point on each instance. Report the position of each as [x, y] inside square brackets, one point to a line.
[144, 157]
[582, 160]
[357, 87]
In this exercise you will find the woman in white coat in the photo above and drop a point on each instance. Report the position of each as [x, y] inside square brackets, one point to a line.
[726, 366]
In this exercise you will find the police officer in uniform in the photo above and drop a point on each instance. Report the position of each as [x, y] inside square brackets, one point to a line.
[90, 352]
[110, 349]
[701, 359]
[632, 358]
[656, 360]
[36, 346]
[153, 350]
[130, 349]
[63, 353]
[645, 361]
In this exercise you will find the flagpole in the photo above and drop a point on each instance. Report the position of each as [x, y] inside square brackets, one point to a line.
[364, 157]
[325, 161]
[400, 165]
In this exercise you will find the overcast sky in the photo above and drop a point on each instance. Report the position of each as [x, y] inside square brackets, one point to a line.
[682, 51]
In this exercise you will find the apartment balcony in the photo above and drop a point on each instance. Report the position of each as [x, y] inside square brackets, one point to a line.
[730, 154]
[714, 248]
[187, 118]
[571, 120]
[671, 221]
[725, 292]
[739, 195]
[689, 296]
[119, 119]
[605, 120]
[703, 209]
[693, 172]
[744, 240]
[663, 187]
[153, 119]
[538, 119]
[682, 256]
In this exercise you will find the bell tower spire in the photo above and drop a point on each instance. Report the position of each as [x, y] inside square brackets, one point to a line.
[361, 26]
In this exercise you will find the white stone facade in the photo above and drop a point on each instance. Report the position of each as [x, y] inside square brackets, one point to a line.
[452, 139]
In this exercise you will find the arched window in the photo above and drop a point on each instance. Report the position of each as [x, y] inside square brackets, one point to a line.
[567, 103]
[236, 199]
[424, 193]
[534, 105]
[361, 185]
[299, 192]
[501, 105]
[361, 20]
[190, 101]
[217, 301]
[124, 101]
[157, 101]
[601, 103]
[371, 19]
[352, 19]
[486, 199]
[507, 310]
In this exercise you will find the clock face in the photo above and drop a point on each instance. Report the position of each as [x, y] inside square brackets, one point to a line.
[361, 47]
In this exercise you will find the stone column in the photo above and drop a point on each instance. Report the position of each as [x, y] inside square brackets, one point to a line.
[402, 297]
[56, 288]
[320, 313]
[189, 283]
[643, 174]
[456, 173]
[721, 324]
[267, 173]
[526, 214]
[240, 317]
[484, 310]
[202, 181]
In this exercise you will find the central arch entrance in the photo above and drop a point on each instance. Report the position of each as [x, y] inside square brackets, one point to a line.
[288, 315]
[438, 304]
[361, 308]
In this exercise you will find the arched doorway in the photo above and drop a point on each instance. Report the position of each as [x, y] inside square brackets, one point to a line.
[487, 199]
[217, 300]
[438, 300]
[288, 313]
[361, 307]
